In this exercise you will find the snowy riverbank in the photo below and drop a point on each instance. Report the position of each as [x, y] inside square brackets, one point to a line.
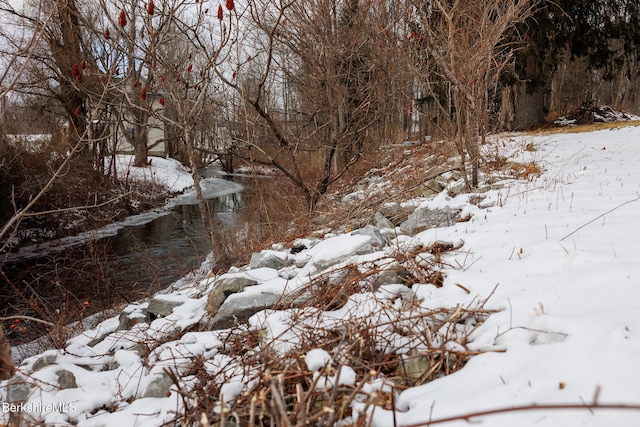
[169, 174]
[537, 284]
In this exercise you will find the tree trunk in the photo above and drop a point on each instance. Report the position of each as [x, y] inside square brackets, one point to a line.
[220, 252]
[507, 112]
[520, 109]
[529, 108]
[66, 50]
[473, 146]
[140, 147]
[6, 363]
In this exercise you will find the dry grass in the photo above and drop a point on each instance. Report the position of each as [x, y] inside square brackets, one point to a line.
[406, 171]
[276, 211]
[50, 299]
[589, 127]
[388, 342]
[281, 389]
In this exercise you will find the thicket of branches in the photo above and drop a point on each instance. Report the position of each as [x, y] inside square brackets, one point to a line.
[305, 86]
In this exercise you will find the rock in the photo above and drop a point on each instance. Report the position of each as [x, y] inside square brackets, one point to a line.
[47, 359]
[413, 368]
[288, 272]
[436, 171]
[381, 221]
[394, 213]
[457, 187]
[442, 181]
[390, 277]
[425, 218]
[128, 320]
[435, 185]
[239, 307]
[161, 307]
[159, 387]
[373, 232]
[111, 365]
[269, 259]
[334, 250]
[66, 379]
[18, 390]
[222, 288]
[94, 342]
[296, 249]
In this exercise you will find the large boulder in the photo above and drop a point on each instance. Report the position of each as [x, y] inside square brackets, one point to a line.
[222, 288]
[335, 250]
[424, 218]
[239, 307]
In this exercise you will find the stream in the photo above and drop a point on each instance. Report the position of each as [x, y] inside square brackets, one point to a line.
[124, 262]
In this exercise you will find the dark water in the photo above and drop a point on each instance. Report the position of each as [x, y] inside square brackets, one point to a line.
[139, 260]
[172, 244]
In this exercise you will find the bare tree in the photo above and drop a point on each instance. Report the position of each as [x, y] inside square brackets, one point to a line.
[168, 55]
[127, 39]
[53, 66]
[465, 43]
[310, 85]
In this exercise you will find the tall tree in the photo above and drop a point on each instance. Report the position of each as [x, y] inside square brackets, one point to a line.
[311, 79]
[464, 39]
[54, 68]
[606, 33]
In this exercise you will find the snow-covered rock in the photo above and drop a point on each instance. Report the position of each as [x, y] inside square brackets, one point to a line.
[553, 259]
[424, 218]
[237, 308]
[269, 259]
[374, 232]
[223, 288]
[334, 250]
[162, 306]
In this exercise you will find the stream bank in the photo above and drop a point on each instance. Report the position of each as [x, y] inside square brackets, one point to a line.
[71, 278]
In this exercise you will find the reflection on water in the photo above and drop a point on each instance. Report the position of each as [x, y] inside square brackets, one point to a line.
[176, 243]
[135, 262]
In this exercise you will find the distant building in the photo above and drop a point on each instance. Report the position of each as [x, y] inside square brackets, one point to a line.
[156, 132]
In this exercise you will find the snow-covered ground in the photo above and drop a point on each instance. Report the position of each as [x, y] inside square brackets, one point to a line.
[176, 178]
[563, 252]
[169, 172]
[556, 258]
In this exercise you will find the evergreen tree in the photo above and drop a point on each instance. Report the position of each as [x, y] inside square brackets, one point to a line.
[605, 33]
